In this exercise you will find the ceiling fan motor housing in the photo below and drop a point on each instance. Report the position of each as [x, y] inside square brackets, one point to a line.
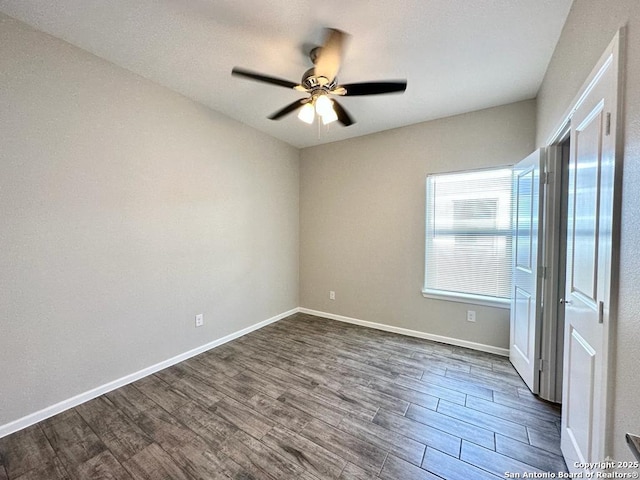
[311, 82]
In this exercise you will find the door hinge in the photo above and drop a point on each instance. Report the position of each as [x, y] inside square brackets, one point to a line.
[607, 128]
[539, 364]
[600, 311]
[546, 179]
[542, 272]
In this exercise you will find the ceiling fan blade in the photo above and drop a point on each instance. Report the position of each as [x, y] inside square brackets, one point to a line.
[343, 116]
[239, 72]
[374, 88]
[330, 57]
[288, 109]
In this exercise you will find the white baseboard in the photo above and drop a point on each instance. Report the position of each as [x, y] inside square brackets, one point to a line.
[411, 333]
[60, 407]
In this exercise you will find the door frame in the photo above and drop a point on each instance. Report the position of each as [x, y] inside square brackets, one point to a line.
[612, 58]
[553, 259]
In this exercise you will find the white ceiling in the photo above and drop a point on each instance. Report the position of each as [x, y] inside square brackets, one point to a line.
[457, 55]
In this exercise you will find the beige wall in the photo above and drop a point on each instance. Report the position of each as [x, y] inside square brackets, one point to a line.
[362, 221]
[589, 28]
[126, 209]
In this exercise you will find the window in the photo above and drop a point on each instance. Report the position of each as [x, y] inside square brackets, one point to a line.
[468, 236]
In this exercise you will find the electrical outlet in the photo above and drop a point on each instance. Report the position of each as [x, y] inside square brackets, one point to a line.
[332, 295]
[471, 315]
[199, 320]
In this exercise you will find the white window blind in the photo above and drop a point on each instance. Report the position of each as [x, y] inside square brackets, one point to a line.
[468, 235]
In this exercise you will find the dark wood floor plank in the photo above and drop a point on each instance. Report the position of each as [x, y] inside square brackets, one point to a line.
[493, 381]
[419, 432]
[396, 469]
[291, 379]
[544, 439]
[532, 405]
[510, 413]
[274, 385]
[494, 462]
[305, 453]
[503, 365]
[205, 423]
[397, 444]
[457, 385]
[464, 430]
[403, 393]
[344, 401]
[490, 422]
[153, 463]
[259, 460]
[371, 370]
[161, 392]
[353, 449]
[202, 462]
[221, 383]
[353, 472]
[451, 468]
[25, 450]
[131, 401]
[165, 429]
[374, 398]
[453, 396]
[280, 412]
[190, 385]
[117, 431]
[103, 466]
[313, 406]
[243, 417]
[423, 365]
[260, 384]
[396, 367]
[441, 360]
[53, 470]
[193, 454]
[72, 439]
[223, 366]
[536, 457]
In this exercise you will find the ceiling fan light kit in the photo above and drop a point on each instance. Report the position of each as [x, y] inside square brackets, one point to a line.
[320, 82]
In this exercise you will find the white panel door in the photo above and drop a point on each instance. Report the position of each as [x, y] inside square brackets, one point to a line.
[525, 321]
[589, 267]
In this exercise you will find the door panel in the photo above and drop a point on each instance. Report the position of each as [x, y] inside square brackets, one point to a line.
[523, 324]
[525, 297]
[580, 387]
[584, 239]
[589, 270]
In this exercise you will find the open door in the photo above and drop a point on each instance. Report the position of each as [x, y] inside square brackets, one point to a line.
[526, 305]
[590, 266]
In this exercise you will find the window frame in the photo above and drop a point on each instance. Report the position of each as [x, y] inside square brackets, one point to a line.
[454, 296]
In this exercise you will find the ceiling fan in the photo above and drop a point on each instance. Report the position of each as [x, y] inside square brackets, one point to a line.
[320, 82]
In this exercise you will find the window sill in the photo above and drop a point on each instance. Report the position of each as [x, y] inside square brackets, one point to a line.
[467, 298]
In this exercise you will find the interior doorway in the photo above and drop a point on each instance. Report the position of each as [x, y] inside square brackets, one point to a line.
[555, 259]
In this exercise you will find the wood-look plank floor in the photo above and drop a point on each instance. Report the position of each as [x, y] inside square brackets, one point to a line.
[305, 398]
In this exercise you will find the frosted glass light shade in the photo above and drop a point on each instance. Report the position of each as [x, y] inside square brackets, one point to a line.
[329, 117]
[323, 105]
[307, 113]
